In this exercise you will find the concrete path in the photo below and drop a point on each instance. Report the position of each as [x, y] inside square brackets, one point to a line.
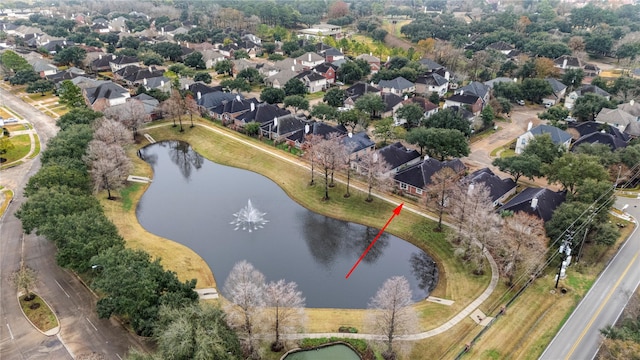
[467, 311]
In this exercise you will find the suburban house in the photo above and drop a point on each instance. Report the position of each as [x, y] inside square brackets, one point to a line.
[105, 95]
[161, 83]
[228, 50]
[356, 90]
[432, 83]
[134, 75]
[228, 110]
[397, 86]
[199, 88]
[392, 103]
[473, 102]
[415, 179]
[101, 63]
[358, 144]
[118, 62]
[281, 127]
[150, 105]
[210, 100]
[373, 61]
[43, 68]
[478, 89]
[566, 62]
[540, 202]
[313, 81]
[327, 70]
[426, 105]
[430, 65]
[499, 189]
[317, 128]
[621, 119]
[501, 46]
[211, 58]
[559, 90]
[332, 54]
[261, 113]
[398, 156]
[68, 74]
[558, 137]
[585, 89]
[310, 60]
[280, 78]
[632, 107]
[319, 31]
[614, 140]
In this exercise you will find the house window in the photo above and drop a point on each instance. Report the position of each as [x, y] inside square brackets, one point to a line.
[419, 191]
[404, 186]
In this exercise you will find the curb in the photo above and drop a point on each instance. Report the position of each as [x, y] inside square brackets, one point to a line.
[50, 332]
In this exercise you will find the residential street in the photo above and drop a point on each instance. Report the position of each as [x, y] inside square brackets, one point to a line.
[81, 331]
[580, 337]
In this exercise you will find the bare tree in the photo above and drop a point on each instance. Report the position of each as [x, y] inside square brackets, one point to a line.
[523, 243]
[327, 155]
[108, 165]
[112, 132]
[285, 309]
[310, 149]
[192, 107]
[347, 161]
[245, 290]
[24, 279]
[391, 313]
[174, 107]
[376, 171]
[131, 114]
[440, 190]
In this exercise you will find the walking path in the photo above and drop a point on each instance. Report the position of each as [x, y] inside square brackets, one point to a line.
[467, 311]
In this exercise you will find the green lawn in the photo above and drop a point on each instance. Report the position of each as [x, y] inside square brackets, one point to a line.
[22, 145]
[39, 313]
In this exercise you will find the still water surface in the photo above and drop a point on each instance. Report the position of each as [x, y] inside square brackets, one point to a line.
[192, 201]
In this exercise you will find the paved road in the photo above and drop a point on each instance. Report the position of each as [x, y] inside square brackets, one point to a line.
[81, 331]
[580, 336]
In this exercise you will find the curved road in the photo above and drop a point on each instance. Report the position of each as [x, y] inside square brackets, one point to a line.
[579, 338]
[82, 333]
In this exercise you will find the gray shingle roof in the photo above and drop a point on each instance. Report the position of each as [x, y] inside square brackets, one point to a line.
[107, 90]
[419, 175]
[543, 207]
[497, 186]
[397, 155]
[357, 142]
[398, 83]
[558, 136]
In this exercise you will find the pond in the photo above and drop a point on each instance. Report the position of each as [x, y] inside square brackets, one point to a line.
[333, 352]
[193, 201]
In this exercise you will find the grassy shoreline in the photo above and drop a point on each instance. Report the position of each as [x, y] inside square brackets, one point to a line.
[456, 281]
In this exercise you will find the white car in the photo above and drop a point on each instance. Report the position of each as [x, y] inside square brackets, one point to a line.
[520, 102]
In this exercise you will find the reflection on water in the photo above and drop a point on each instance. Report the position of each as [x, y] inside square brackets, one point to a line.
[297, 245]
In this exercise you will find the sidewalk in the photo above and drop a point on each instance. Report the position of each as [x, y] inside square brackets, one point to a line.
[418, 336]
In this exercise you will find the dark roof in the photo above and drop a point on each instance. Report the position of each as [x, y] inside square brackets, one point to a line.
[592, 89]
[497, 186]
[359, 89]
[263, 113]
[310, 75]
[397, 155]
[213, 99]
[419, 175]
[605, 138]
[202, 88]
[571, 61]
[316, 128]
[462, 112]
[53, 44]
[332, 52]
[108, 90]
[430, 64]
[590, 127]
[236, 105]
[424, 103]
[432, 79]
[464, 98]
[123, 59]
[133, 73]
[357, 142]
[474, 88]
[324, 67]
[556, 85]
[63, 75]
[102, 61]
[540, 202]
[390, 101]
[288, 124]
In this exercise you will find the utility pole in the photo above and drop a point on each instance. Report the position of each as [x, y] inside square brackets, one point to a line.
[565, 252]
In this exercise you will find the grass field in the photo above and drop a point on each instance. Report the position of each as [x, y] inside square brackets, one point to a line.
[21, 147]
[456, 282]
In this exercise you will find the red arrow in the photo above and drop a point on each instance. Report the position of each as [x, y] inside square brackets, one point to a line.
[396, 212]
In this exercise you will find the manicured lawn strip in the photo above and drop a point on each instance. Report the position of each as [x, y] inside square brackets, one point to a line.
[42, 317]
[534, 319]
[455, 282]
[21, 147]
[36, 151]
[8, 195]
[40, 97]
[15, 127]
[4, 113]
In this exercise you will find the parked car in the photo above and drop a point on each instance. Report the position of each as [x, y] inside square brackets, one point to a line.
[570, 119]
[520, 102]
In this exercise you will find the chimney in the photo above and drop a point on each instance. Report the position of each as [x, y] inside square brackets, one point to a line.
[471, 187]
[162, 30]
[293, 68]
[150, 68]
[529, 126]
[113, 57]
[564, 63]
[370, 53]
[295, 62]
[253, 106]
[162, 83]
[199, 95]
[631, 102]
[534, 203]
[144, 81]
[461, 92]
[238, 98]
[64, 42]
[100, 57]
[447, 75]
[309, 57]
